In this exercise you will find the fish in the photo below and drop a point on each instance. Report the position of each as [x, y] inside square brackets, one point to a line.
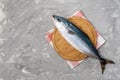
[78, 39]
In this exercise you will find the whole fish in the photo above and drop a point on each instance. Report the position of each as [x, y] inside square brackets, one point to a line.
[78, 39]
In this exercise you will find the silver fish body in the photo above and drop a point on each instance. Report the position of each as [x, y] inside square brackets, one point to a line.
[75, 41]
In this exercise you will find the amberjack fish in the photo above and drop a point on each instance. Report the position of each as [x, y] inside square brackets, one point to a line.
[78, 39]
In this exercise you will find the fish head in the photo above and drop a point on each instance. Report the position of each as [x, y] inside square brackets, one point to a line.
[59, 22]
[62, 24]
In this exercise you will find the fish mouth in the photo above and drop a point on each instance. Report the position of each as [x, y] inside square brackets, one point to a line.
[53, 17]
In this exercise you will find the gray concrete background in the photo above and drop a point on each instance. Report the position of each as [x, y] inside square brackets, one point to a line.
[25, 54]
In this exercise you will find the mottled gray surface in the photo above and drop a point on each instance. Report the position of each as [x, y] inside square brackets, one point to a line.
[25, 54]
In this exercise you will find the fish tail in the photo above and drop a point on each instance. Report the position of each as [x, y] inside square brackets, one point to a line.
[104, 62]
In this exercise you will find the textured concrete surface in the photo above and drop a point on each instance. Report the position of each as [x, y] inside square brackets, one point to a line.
[25, 54]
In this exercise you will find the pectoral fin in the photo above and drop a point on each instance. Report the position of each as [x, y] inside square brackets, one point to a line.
[70, 32]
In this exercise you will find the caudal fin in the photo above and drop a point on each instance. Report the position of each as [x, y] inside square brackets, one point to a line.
[104, 62]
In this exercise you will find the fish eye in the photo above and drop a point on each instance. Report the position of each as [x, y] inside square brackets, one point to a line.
[59, 20]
